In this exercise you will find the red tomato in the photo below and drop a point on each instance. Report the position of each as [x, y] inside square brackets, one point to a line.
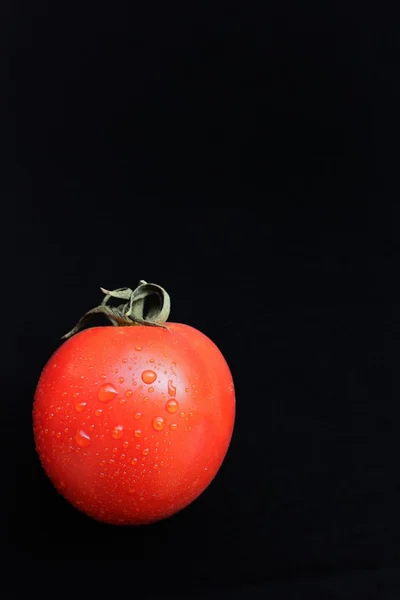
[132, 423]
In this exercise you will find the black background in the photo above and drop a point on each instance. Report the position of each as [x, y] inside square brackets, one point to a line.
[244, 159]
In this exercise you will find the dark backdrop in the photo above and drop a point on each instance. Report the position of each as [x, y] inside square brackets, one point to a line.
[243, 159]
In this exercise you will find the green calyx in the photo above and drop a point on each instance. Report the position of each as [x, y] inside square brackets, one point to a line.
[132, 311]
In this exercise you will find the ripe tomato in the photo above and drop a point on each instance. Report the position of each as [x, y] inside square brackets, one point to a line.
[131, 424]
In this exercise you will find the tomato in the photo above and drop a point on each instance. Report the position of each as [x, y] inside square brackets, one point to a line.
[131, 424]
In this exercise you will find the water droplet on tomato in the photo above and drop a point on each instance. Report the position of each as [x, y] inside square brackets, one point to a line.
[128, 393]
[122, 401]
[75, 395]
[172, 406]
[82, 438]
[138, 432]
[186, 390]
[145, 399]
[138, 415]
[173, 427]
[151, 360]
[171, 388]
[137, 446]
[149, 376]
[98, 412]
[133, 462]
[121, 379]
[158, 423]
[145, 451]
[58, 435]
[80, 406]
[125, 444]
[106, 392]
[130, 367]
[64, 394]
[117, 432]
[182, 414]
[150, 390]
[103, 376]
[138, 348]
[124, 360]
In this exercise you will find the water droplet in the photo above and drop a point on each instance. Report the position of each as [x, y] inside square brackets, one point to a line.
[171, 388]
[145, 451]
[150, 390]
[186, 390]
[75, 395]
[137, 446]
[138, 415]
[149, 376]
[117, 432]
[138, 348]
[82, 438]
[90, 368]
[58, 409]
[101, 474]
[98, 412]
[103, 376]
[128, 393]
[172, 406]
[138, 432]
[58, 434]
[155, 466]
[182, 414]
[91, 427]
[122, 401]
[130, 367]
[116, 371]
[173, 426]
[64, 394]
[121, 379]
[106, 392]
[124, 360]
[80, 406]
[125, 444]
[66, 430]
[158, 423]
[145, 399]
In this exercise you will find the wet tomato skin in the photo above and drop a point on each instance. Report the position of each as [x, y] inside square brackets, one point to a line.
[131, 424]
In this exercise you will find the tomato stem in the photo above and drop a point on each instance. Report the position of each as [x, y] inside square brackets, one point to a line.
[133, 311]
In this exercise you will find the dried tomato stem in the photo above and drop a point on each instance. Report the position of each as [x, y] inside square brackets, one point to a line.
[132, 312]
